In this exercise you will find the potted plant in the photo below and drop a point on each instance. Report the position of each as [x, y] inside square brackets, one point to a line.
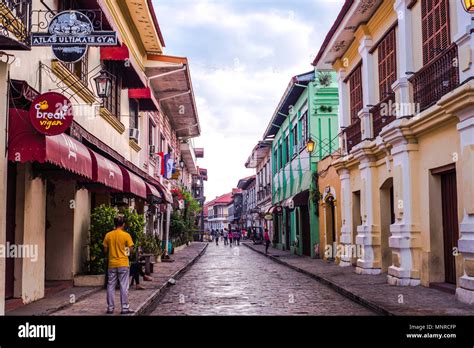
[102, 221]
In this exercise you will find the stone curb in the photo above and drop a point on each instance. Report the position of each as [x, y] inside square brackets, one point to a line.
[156, 295]
[66, 305]
[350, 295]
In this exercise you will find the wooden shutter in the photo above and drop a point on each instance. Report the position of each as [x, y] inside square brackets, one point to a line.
[355, 92]
[435, 28]
[387, 58]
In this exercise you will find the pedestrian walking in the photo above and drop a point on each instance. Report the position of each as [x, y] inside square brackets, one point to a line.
[266, 236]
[226, 236]
[217, 237]
[239, 235]
[118, 245]
[230, 238]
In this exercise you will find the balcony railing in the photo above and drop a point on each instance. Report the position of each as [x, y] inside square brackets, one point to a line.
[436, 79]
[381, 114]
[15, 24]
[218, 216]
[353, 135]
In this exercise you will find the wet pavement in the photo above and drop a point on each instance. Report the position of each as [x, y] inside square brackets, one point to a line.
[239, 281]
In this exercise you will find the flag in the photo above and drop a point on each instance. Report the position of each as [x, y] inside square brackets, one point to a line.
[169, 167]
[162, 163]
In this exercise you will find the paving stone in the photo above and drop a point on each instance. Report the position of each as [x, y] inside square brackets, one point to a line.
[222, 282]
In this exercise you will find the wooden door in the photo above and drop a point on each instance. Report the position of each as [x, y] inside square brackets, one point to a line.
[450, 223]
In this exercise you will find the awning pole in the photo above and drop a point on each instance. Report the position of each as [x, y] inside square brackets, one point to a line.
[174, 96]
[183, 67]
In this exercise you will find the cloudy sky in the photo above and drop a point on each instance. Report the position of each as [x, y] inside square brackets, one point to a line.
[242, 54]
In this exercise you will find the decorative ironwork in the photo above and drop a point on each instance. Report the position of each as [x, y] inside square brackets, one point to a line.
[15, 20]
[436, 79]
[382, 114]
[42, 18]
[353, 135]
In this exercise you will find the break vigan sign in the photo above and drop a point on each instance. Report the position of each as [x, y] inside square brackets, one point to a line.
[51, 113]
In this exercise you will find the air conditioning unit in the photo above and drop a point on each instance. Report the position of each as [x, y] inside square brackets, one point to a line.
[134, 134]
[152, 150]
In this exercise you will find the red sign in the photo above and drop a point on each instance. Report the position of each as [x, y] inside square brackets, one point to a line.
[51, 113]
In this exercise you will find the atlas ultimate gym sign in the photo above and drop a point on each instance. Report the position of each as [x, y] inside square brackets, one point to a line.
[70, 33]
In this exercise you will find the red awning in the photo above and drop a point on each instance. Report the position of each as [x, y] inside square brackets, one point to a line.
[114, 53]
[133, 76]
[152, 191]
[133, 183]
[167, 196]
[106, 172]
[25, 144]
[144, 96]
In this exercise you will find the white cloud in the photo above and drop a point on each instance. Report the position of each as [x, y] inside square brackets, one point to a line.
[242, 56]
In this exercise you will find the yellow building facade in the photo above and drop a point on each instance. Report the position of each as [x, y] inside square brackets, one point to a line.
[407, 120]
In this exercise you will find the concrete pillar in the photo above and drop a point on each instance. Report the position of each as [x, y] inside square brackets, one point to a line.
[405, 239]
[34, 222]
[346, 204]
[465, 167]
[3, 174]
[465, 41]
[368, 233]
[402, 87]
[368, 86]
[82, 219]
[344, 114]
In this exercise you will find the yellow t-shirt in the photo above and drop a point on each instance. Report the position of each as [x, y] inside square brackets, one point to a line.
[118, 243]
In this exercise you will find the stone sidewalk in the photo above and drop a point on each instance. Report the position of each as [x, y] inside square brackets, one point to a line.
[92, 301]
[372, 291]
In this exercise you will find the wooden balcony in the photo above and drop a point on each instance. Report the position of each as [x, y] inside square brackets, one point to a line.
[15, 24]
[381, 114]
[353, 135]
[436, 79]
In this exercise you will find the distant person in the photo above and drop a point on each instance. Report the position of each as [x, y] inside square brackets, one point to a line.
[226, 236]
[230, 237]
[266, 237]
[118, 245]
[237, 237]
[217, 237]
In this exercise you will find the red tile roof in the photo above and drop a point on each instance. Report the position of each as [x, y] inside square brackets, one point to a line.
[224, 199]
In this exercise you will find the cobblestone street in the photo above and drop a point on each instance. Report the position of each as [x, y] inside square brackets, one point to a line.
[239, 281]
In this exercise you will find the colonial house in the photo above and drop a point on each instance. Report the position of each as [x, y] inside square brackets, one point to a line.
[260, 159]
[302, 131]
[406, 92]
[133, 120]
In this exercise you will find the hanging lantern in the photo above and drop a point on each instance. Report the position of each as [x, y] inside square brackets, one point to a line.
[468, 5]
[310, 146]
[103, 83]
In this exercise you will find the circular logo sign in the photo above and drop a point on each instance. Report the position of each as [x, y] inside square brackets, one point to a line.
[268, 217]
[51, 113]
[70, 27]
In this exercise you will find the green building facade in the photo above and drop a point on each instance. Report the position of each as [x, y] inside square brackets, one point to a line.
[307, 111]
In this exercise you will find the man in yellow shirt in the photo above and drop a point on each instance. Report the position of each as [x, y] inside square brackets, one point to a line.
[118, 244]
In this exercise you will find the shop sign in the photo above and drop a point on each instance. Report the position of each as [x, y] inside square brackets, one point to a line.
[268, 217]
[70, 33]
[51, 113]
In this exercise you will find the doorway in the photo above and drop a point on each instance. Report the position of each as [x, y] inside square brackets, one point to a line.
[387, 217]
[449, 203]
[287, 229]
[356, 221]
[305, 229]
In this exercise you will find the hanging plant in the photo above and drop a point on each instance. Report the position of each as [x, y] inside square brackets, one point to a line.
[325, 79]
